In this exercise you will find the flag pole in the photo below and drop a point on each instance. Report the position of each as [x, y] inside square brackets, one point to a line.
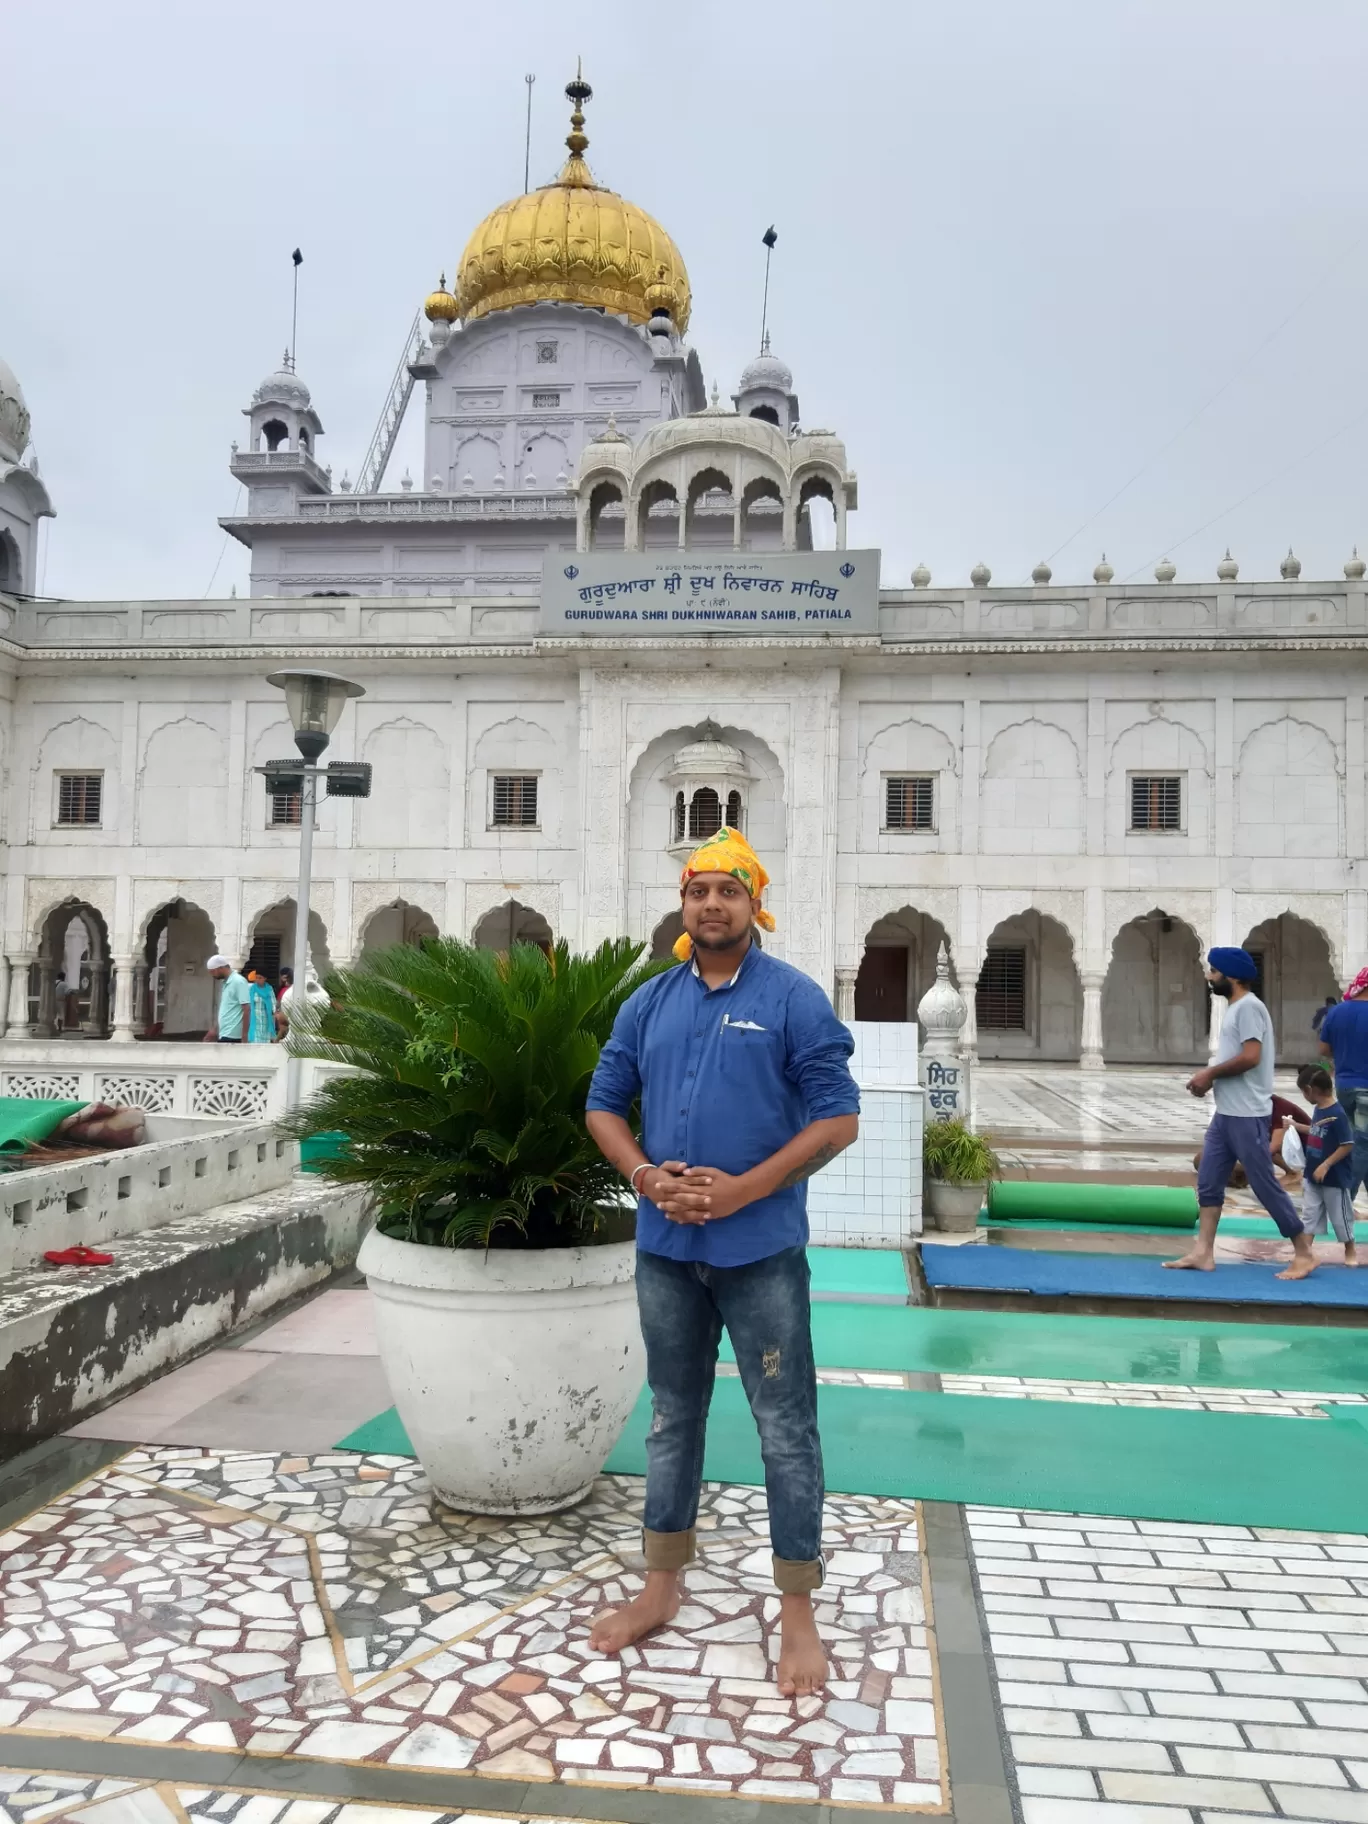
[298, 259]
[769, 238]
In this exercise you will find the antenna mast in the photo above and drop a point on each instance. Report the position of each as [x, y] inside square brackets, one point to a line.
[527, 143]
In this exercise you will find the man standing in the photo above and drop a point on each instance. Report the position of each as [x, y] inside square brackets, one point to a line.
[743, 1074]
[1344, 1037]
[230, 1023]
[1241, 1074]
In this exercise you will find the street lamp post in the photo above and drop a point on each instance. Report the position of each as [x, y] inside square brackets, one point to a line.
[314, 700]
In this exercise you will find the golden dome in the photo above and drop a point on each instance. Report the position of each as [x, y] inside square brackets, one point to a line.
[573, 242]
[439, 306]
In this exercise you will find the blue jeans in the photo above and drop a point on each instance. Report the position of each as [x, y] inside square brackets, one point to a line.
[1354, 1102]
[1244, 1139]
[764, 1305]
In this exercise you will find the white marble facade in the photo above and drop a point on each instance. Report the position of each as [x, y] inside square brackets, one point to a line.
[1030, 740]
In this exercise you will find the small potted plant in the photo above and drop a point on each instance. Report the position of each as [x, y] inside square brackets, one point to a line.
[958, 1165]
[502, 1260]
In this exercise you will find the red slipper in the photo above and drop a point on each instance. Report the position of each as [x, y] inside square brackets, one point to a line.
[78, 1256]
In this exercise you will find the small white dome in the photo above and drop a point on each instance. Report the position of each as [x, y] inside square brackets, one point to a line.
[14, 416]
[709, 756]
[768, 373]
[284, 387]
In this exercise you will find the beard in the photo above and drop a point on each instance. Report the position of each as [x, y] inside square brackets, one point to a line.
[1222, 986]
[713, 941]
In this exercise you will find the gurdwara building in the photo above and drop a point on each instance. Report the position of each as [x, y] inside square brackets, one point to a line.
[1076, 789]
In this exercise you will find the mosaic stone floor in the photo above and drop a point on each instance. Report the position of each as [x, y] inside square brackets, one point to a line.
[45, 1798]
[326, 1607]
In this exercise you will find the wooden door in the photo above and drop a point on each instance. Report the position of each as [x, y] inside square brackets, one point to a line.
[881, 985]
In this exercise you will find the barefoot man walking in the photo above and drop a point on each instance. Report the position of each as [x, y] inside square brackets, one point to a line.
[1241, 1075]
[745, 1086]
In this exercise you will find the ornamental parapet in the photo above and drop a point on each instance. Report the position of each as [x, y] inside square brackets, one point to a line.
[504, 609]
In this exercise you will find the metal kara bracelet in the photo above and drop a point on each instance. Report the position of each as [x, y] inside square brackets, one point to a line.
[645, 1166]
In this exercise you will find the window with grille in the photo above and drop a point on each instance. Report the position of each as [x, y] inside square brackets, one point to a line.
[1000, 999]
[705, 814]
[910, 802]
[515, 801]
[734, 812]
[545, 402]
[284, 809]
[1156, 801]
[265, 956]
[678, 824]
[78, 797]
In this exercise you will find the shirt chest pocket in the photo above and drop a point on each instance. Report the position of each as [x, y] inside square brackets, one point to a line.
[746, 1046]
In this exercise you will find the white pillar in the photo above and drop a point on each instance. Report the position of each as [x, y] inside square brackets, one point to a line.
[1219, 1009]
[845, 993]
[969, 1031]
[19, 1027]
[123, 998]
[4, 994]
[1092, 1022]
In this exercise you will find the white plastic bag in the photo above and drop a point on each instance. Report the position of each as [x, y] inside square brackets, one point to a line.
[1293, 1152]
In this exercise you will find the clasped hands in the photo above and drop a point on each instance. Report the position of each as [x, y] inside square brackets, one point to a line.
[694, 1194]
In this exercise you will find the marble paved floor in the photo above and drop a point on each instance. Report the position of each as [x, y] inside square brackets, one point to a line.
[234, 1621]
[327, 1606]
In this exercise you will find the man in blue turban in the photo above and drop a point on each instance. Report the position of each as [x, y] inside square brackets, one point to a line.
[1241, 1077]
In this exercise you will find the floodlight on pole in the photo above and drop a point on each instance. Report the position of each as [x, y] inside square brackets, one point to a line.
[314, 700]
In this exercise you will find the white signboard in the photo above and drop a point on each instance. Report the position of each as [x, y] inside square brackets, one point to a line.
[626, 594]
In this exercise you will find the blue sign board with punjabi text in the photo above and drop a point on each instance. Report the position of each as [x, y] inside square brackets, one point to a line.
[628, 595]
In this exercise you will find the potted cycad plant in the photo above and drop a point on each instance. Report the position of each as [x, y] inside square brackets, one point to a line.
[958, 1165]
[501, 1261]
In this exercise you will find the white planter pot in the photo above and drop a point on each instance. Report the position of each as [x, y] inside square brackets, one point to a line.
[513, 1371]
[954, 1206]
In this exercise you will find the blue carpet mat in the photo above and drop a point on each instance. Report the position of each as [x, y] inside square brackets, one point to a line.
[1045, 1275]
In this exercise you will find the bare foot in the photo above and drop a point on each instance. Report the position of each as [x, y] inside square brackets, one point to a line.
[802, 1662]
[1302, 1267]
[657, 1605]
[1204, 1263]
[1351, 1258]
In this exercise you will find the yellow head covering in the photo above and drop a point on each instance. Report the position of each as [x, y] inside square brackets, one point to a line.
[726, 852]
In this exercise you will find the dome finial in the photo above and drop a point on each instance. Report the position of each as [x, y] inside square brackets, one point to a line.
[577, 92]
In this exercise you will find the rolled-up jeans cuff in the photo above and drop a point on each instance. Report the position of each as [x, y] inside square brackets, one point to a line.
[668, 1551]
[798, 1576]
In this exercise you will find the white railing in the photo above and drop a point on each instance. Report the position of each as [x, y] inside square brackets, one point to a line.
[185, 1169]
[209, 1082]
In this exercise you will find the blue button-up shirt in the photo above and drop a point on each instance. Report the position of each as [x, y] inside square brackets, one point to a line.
[726, 1077]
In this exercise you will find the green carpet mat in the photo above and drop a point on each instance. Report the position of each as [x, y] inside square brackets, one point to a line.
[1176, 1351]
[863, 1272]
[1213, 1469]
[1114, 1205]
[382, 1436]
[1350, 1415]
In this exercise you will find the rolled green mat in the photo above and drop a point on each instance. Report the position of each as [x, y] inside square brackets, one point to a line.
[1162, 1205]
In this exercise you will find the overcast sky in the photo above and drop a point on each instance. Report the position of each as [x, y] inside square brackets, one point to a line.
[1020, 249]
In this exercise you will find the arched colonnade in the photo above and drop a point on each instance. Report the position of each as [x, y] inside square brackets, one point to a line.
[1028, 999]
[70, 985]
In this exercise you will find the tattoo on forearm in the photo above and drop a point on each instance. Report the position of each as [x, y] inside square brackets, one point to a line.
[824, 1155]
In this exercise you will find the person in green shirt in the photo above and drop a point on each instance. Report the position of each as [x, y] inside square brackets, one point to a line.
[230, 1026]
